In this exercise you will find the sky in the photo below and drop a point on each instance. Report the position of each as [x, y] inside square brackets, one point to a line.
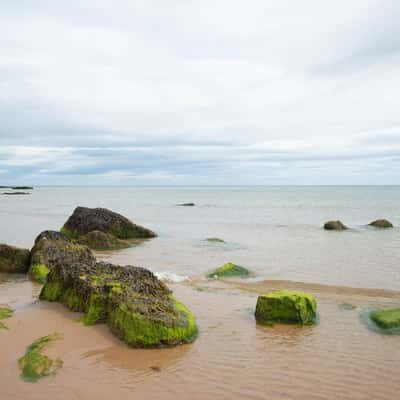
[182, 92]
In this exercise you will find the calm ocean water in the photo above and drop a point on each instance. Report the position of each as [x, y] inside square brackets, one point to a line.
[274, 231]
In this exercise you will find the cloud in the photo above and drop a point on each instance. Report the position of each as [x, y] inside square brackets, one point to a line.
[222, 93]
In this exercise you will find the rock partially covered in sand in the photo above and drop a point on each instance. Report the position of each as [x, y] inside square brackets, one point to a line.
[287, 307]
[137, 306]
[386, 319]
[84, 220]
[52, 248]
[229, 269]
[13, 259]
[335, 226]
[381, 223]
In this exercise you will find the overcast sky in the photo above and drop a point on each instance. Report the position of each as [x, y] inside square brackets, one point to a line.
[199, 92]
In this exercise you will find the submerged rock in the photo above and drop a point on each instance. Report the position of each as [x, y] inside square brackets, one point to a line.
[137, 306]
[186, 204]
[35, 365]
[52, 248]
[13, 259]
[215, 240]
[229, 269]
[287, 307]
[381, 223]
[386, 319]
[15, 193]
[98, 240]
[335, 226]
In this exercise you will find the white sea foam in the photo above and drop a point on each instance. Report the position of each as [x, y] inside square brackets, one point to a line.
[167, 276]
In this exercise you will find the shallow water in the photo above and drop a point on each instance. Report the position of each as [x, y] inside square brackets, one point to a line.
[232, 358]
[275, 231]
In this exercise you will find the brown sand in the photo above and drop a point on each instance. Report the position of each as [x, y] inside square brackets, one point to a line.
[233, 358]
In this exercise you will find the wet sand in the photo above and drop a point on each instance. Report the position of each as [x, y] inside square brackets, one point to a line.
[233, 358]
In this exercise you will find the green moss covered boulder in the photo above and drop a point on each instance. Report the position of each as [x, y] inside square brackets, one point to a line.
[335, 226]
[52, 248]
[381, 223]
[215, 240]
[228, 270]
[286, 307]
[137, 306]
[13, 259]
[386, 319]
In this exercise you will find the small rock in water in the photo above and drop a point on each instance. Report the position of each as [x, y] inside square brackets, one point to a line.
[215, 240]
[186, 204]
[229, 269]
[386, 319]
[286, 307]
[334, 226]
[381, 223]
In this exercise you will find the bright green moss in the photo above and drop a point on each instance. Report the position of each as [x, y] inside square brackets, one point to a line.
[215, 240]
[97, 309]
[287, 307]
[229, 269]
[72, 300]
[51, 291]
[39, 272]
[5, 313]
[387, 319]
[35, 365]
[139, 331]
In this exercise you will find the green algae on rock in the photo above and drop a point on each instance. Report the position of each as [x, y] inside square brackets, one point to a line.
[35, 365]
[137, 306]
[334, 226]
[5, 312]
[13, 259]
[229, 269]
[286, 307]
[39, 272]
[381, 223]
[387, 318]
[215, 240]
[52, 248]
[98, 240]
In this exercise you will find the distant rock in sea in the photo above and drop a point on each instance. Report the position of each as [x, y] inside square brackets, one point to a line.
[381, 223]
[15, 193]
[13, 259]
[334, 226]
[186, 204]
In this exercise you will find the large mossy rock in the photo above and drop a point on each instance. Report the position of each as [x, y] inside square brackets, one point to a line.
[335, 226]
[286, 307]
[381, 223]
[229, 269]
[13, 259]
[137, 306]
[52, 248]
[386, 319]
[85, 220]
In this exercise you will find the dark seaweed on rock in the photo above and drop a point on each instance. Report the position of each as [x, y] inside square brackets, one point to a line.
[13, 259]
[52, 248]
[85, 220]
